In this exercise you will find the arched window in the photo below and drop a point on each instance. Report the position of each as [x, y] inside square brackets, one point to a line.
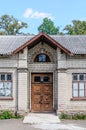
[42, 58]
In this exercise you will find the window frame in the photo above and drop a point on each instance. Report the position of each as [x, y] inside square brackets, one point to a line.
[42, 80]
[7, 81]
[78, 81]
[37, 57]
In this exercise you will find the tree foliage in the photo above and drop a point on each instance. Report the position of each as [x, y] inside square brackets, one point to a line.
[10, 26]
[77, 28]
[48, 27]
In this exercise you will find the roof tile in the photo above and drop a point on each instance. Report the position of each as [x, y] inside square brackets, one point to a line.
[76, 44]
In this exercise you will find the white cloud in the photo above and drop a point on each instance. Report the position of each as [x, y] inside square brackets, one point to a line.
[29, 13]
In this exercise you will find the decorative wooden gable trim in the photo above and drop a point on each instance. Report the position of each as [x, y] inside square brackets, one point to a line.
[42, 37]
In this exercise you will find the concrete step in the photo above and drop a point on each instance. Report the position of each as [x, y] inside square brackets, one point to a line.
[36, 118]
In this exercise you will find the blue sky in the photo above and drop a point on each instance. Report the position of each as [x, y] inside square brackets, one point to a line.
[61, 12]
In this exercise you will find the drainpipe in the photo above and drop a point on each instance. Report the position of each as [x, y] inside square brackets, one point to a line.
[57, 77]
[16, 108]
[16, 102]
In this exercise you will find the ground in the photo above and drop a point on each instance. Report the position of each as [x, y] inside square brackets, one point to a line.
[17, 124]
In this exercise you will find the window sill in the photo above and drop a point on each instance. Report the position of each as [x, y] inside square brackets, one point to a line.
[6, 98]
[78, 99]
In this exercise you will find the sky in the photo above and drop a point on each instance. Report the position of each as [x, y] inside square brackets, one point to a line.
[32, 12]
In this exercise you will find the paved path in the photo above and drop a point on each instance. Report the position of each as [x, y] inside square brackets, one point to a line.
[59, 126]
[17, 124]
[51, 122]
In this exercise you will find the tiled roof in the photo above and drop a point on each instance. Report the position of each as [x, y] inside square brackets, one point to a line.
[10, 43]
[75, 44]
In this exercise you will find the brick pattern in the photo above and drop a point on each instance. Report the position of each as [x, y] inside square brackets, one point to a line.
[39, 48]
[22, 91]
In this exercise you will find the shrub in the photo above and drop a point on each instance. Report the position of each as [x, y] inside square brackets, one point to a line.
[74, 117]
[6, 115]
[64, 116]
[79, 117]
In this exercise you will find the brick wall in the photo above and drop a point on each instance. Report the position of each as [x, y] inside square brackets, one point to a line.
[62, 66]
[17, 65]
[22, 90]
[66, 66]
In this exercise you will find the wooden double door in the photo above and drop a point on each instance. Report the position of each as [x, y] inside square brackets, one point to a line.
[42, 92]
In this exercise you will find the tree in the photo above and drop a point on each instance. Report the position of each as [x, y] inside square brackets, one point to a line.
[77, 28]
[10, 26]
[48, 27]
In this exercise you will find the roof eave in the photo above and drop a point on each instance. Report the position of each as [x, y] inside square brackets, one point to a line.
[31, 41]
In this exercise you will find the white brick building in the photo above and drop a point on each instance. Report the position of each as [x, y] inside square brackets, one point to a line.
[43, 73]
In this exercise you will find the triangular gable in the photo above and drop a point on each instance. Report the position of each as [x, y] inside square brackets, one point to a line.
[42, 37]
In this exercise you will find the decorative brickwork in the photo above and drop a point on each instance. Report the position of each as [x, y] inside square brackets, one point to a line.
[39, 48]
[42, 51]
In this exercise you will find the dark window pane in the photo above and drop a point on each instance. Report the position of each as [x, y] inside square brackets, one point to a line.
[9, 77]
[42, 58]
[75, 77]
[46, 79]
[37, 79]
[2, 76]
[81, 77]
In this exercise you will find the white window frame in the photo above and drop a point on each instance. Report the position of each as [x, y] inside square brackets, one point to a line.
[6, 86]
[79, 85]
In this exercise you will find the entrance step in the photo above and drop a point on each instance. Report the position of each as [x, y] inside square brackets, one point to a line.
[36, 118]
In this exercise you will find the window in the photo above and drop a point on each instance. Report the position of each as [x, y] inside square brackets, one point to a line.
[79, 85]
[5, 85]
[42, 58]
[42, 79]
[37, 79]
[46, 78]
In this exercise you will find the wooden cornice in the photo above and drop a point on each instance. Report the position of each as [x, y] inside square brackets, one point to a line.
[42, 37]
